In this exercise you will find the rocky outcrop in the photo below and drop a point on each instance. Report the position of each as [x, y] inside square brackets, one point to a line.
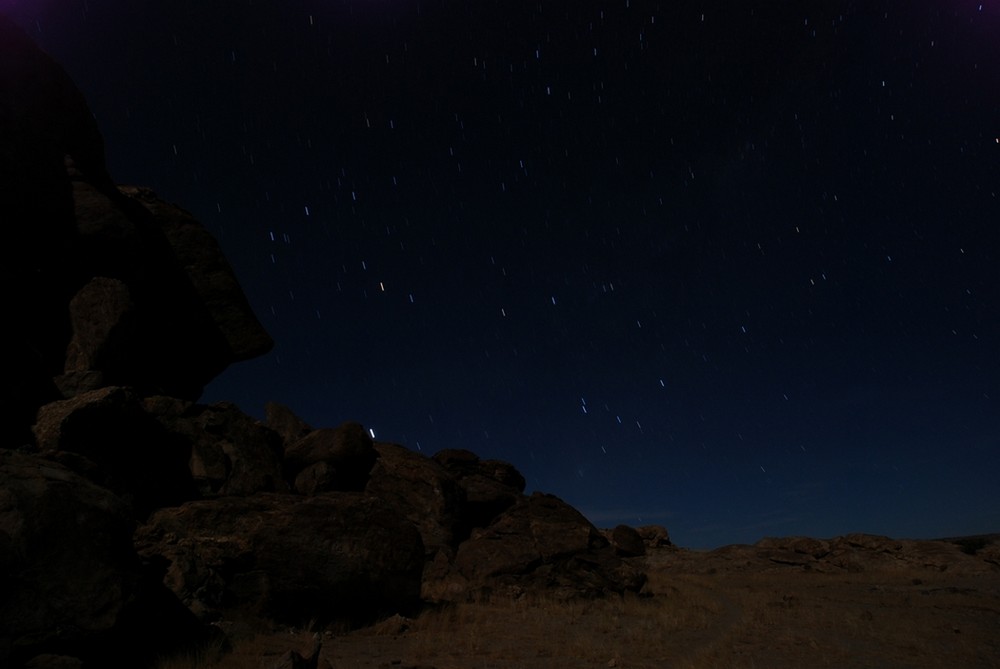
[229, 453]
[154, 304]
[114, 287]
[423, 491]
[285, 423]
[627, 542]
[49, 517]
[131, 514]
[204, 264]
[853, 553]
[134, 455]
[225, 550]
[330, 459]
[542, 543]
[490, 487]
[484, 535]
[161, 451]
[654, 536]
[865, 552]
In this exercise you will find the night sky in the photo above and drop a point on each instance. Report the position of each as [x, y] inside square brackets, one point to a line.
[728, 267]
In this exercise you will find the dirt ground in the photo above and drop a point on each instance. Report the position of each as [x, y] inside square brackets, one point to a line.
[690, 618]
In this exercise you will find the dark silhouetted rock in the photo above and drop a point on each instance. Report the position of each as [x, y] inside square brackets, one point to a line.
[654, 536]
[71, 582]
[161, 451]
[490, 486]
[43, 117]
[423, 491]
[160, 336]
[288, 557]
[347, 452]
[180, 317]
[486, 498]
[213, 278]
[109, 286]
[283, 420]
[542, 543]
[136, 456]
[627, 542]
[503, 473]
[458, 460]
[230, 452]
[100, 315]
[317, 478]
[67, 557]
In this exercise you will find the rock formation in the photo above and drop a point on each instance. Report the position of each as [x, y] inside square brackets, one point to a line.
[113, 286]
[123, 501]
[542, 542]
[330, 459]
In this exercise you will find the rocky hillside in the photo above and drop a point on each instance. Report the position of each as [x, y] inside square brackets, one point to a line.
[133, 520]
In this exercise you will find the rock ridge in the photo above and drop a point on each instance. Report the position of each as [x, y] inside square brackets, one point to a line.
[135, 521]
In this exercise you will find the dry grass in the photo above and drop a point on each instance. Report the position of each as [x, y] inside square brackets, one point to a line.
[799, 619]
[781, 618]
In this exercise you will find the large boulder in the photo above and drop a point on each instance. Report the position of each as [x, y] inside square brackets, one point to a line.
[135, 455]
[67, 559]
[291, 558]
[71, 583]
[102, 316]
[109, 286]
[423, 491]
[285, 422]
[161, 451]
[627, 542]
[490, 487]
[179, 317]
[542, 543]
[330, 459]
[654, 536]
[202, 260]
[230, 452]
[43, 117]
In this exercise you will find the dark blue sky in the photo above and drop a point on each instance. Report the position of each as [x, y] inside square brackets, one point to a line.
[730, 270]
